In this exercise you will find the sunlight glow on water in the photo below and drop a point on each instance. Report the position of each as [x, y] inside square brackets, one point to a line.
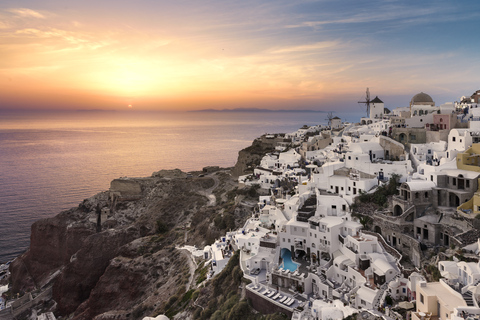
[52, 161]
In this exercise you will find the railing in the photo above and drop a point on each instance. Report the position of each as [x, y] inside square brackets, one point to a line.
[385, 245]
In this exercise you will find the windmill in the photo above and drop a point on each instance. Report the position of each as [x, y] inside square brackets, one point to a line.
[329, 118]
[367, 102]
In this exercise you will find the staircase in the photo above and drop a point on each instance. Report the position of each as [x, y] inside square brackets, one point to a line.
[378, 297]
[467, 296]
[330, 290]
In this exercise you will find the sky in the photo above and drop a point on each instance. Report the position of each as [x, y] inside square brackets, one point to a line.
[275, 54]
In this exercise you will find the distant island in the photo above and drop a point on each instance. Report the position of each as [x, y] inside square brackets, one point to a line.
[254, 110]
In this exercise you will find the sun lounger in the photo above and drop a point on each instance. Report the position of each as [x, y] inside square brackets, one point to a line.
[283, 299]
[275, 297]
[291, 302]
[271, 294]
[263, 292]
[287, 301]
[266, 292]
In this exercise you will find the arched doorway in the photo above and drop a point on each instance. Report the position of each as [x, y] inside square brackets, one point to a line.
[454, 200]
[397, 210]
[377, 229]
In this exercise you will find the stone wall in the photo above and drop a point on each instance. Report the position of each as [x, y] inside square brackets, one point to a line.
[395, 149]
[126, 187]
[401, 231]
[407, 136]
[436, 136]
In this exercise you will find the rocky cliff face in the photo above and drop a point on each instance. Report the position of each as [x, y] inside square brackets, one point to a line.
[114, 256]
[251, 156]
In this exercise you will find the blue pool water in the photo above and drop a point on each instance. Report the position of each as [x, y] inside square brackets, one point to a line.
[287, 260]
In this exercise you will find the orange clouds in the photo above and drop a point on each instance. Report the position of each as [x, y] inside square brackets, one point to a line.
[193, 57]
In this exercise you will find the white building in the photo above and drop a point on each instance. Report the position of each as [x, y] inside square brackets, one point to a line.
[459, 140]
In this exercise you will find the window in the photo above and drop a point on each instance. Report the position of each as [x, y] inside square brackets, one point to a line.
[288, 240]
[431, 177]
[454, 181]
[453, 139]
[467, 183]
[421, 298]
[344, 207]
[419, 230]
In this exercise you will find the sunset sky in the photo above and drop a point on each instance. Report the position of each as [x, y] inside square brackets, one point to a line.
[178, 55]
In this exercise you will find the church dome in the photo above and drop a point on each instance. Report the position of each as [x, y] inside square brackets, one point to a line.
[422, 98]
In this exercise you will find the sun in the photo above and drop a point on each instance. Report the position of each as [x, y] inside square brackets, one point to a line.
[130, 106]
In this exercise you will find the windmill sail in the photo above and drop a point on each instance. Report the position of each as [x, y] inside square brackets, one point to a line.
[367, 102]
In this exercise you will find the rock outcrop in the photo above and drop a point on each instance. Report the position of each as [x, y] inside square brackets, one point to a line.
[251, 156]
[124, 264]
[114, 256]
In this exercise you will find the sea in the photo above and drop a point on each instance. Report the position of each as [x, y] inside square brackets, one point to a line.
[52, 161]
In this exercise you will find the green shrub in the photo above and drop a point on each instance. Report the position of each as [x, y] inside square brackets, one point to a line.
[161, 227]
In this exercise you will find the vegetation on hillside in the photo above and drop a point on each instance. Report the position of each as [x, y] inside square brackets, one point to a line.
[221, 298]
[381, 194]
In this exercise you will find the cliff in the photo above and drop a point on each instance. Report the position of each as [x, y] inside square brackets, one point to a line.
[114, 256]
[250, 157]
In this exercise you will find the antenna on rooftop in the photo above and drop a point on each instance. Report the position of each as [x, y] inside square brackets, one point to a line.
[367, 102]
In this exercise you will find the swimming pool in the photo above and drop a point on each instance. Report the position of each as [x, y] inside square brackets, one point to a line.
[287, 260]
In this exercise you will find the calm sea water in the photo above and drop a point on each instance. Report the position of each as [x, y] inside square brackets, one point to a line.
[50, 162]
